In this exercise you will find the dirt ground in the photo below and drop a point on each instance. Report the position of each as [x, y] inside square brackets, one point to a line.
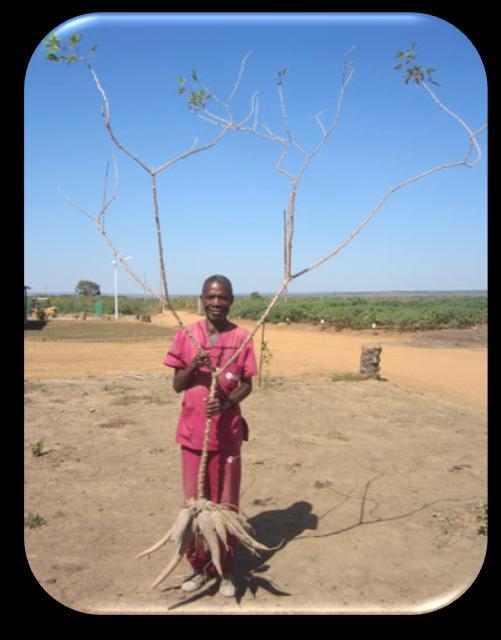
[373, 490]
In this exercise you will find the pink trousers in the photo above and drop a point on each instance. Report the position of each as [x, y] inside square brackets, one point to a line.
[222, 486]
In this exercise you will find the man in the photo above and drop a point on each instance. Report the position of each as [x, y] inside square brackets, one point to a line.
[219, 339]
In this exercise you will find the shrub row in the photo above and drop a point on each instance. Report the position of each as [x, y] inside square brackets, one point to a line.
[356, 312]
[73, 304]
[403, 313]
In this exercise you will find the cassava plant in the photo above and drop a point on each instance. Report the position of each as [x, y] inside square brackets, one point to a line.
[201, 520]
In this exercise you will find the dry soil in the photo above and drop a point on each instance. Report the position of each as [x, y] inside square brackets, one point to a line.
[374, 490]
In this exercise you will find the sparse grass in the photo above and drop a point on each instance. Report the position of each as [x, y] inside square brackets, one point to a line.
[269, 384]
[99, 331]
[117, 388]
[34, 522]
[29, 387]
[118, 423]
[351, 377]
[334, 434]
[265, 365]
[37, 449]
[274, 381]
[482, 517]
[126, 394]
[471, 338]
[125, 400]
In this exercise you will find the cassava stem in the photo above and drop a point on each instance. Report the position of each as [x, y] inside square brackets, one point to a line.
[205, 448]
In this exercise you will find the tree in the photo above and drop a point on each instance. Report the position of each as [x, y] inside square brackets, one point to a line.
[87, 288]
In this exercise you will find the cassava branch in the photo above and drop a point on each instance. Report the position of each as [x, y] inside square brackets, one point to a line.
[287, 142]
[153, 172]
[98, 221]
[473, 144]
[55, 47]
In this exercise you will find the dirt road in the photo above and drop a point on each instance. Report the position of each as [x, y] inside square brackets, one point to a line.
[457, 373]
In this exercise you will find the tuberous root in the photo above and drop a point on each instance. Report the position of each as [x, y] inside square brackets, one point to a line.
[205, 523]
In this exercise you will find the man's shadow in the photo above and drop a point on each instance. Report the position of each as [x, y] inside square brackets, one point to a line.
[275, 529]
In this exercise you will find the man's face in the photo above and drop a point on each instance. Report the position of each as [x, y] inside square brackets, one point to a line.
[217, 301]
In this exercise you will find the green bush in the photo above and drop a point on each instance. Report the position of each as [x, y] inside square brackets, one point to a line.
[405, 313]
[32, 521]
[37, 449]
[356, 312]
[73, 304]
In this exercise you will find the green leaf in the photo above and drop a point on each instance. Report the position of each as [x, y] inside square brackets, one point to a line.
[181, 80]
[69, 59]
[399, 66]
[75, 38]
[53, 39]
[181, 90]
[194, 75]
[53, 46]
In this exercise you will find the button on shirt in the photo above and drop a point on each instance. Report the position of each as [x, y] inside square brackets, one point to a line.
[226, 427]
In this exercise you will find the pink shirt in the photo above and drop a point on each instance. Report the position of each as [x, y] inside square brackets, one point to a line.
[226, 427]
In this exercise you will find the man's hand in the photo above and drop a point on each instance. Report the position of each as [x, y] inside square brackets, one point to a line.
[202, 359]
[182, 376]
[218, 406]
[212, 407]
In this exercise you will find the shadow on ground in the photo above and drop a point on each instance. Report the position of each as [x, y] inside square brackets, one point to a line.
[275, 529]
[34, 325]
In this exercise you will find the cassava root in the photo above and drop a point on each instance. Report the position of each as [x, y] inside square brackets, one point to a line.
[208, 524]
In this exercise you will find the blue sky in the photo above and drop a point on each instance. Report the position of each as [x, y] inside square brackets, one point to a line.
[221, 210]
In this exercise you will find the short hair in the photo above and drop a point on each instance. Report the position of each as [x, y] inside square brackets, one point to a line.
[222, 280]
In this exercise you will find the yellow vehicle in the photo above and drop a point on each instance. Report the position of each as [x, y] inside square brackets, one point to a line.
[43, 305]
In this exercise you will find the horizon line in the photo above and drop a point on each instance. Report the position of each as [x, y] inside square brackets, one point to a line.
[290, 294]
